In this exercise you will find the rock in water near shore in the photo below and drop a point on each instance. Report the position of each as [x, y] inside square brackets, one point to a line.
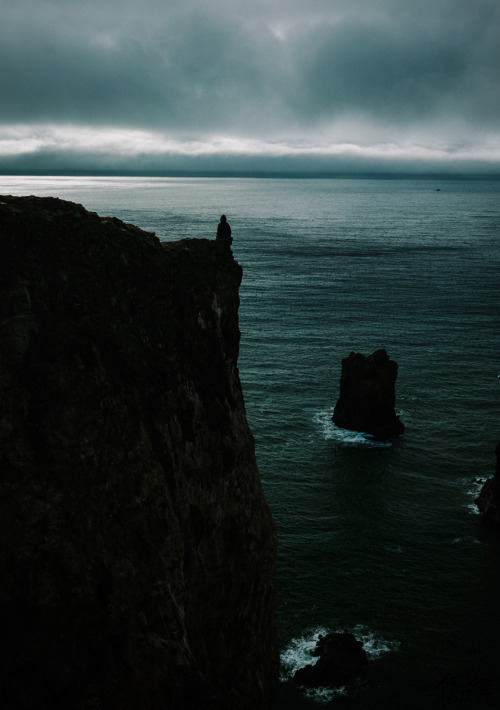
[368, 395]
[342, 661]
[137, 549]
[488, 500]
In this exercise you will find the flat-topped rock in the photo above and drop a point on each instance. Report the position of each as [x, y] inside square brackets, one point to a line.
[368, 395]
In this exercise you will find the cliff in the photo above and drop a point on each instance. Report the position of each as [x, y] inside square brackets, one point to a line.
[488, 500]
[137, 551]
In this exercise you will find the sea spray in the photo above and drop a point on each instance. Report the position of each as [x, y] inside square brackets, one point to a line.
[298, 654]
[345, 437]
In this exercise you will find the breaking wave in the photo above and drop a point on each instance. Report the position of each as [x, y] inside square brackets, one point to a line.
[473, 490]
[298, 655]
[330, 431]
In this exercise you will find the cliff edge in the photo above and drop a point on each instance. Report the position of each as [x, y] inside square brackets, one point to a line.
[138, 552]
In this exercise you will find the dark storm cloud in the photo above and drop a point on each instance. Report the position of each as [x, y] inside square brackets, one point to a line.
[403, 67]
[300, 72]
[173, 67]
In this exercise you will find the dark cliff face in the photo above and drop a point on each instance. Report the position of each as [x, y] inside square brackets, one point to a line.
[137, 548]
[488, 500]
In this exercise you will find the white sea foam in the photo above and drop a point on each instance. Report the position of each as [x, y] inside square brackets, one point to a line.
[473, 509]
[298, 654]
[467, 539]
[373, 643]
[473, 489]
[323, 695]
[346, 437]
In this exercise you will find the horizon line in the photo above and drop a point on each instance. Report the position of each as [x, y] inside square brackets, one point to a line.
[260, 174]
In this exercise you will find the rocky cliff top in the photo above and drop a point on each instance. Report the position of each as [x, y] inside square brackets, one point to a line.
[137, 548]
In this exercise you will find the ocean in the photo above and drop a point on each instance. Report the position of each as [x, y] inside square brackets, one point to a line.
[380, 539]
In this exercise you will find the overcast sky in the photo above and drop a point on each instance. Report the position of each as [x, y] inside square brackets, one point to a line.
[325, 85]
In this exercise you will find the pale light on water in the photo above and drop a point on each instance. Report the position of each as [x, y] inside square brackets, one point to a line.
[380, 538]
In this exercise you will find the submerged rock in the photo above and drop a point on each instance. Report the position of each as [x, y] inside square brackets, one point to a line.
[488, 500]
[342, 661]
[368, 395]
[137, 549]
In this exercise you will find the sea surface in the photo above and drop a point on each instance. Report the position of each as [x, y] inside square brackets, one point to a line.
[381, 539]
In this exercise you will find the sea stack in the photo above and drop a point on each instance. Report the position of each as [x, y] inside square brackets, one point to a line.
[342, 661]
[368, 395]
[137, 549]
[488, 500]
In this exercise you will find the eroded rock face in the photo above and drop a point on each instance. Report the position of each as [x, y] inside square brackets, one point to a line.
[368, 395]
[342, 661]
[137, 552]
[488, 500]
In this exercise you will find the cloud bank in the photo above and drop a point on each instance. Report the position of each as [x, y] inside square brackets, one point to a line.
[326, 85]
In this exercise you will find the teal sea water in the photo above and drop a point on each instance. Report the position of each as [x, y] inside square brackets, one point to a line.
[382, 540]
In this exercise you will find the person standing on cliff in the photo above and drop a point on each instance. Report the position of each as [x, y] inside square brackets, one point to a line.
[224, 230]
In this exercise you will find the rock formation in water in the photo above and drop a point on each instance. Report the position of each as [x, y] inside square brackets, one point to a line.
[488, 500]
[342, 661]
[137, 549]
[368, 395]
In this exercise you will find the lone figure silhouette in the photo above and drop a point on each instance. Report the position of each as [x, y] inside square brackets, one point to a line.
[224, 230]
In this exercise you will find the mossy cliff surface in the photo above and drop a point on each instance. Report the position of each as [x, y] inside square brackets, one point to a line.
[137, 551]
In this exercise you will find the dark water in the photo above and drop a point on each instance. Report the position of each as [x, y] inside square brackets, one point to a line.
[381, 540]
